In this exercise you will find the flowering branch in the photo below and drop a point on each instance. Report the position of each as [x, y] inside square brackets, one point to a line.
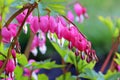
[31, 8]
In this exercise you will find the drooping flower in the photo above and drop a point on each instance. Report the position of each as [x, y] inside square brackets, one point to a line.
[14, 55]
[27, 72]
[78, 9]
[34, 24]
[39, 41]
[6, 35]
[10, 67]
[9, 33]
[118, 68]
[44, 23]
[81, 12]
[21, 17]
[70, 16]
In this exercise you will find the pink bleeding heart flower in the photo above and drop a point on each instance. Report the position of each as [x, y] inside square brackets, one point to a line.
[61, 20]
[44, 23]
[7, 79]
[118, 68]
[34, 24]
[70, 16]
[14, 55]
[84, 10]
[78, 9]
[27, 71]
[52, 24]
[13, 29]
[9, 33]
[59, 30]
[21, 17]
[35, 44]
[10, 66]
[6, 35]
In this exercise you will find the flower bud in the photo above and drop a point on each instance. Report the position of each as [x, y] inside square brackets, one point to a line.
[10, 66]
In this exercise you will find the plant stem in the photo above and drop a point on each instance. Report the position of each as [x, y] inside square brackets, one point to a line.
[77, 72]
[2, 54]
[27, 50]
[113, 49]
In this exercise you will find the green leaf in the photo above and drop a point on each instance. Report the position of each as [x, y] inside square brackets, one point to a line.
[18, 72]
[107, 21]
[116, 32]
[84, 65]
[3, 50]
[117, 60]
[42, 77]
[115, 76]
[92, 75]
[66, 76]
[46, 65]
[22, 59]
[62, 52]
[55, 5]
[118, 23]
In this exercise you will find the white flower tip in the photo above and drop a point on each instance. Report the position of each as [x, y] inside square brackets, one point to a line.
[25, 29]
[43, 49]
[34, 51]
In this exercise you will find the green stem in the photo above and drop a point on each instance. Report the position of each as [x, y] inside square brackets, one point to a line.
[77, 71]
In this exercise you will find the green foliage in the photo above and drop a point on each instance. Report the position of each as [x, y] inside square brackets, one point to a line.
[22, 60]
[18, 72]
[45, 65]
[62, 52]
[83, 65]
[66, 76]
[4, 7]
[109, 74]
[109, 23]
[92, 75]
[115, 76]
[118, 23]
[117, 60]
[3, 51]
[42, 77]
[69, 57]
[55, 5]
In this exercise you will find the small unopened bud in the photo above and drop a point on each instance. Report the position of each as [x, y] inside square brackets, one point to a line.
[76, 52]
[13, 53]
[70, 45]
[88, 59]
[10, 66]
[82, 56]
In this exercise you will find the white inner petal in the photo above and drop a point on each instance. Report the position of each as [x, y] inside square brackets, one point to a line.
[34, 51]
[43, 49]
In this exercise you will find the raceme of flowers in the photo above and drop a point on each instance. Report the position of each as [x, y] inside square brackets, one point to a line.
[50, 25]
